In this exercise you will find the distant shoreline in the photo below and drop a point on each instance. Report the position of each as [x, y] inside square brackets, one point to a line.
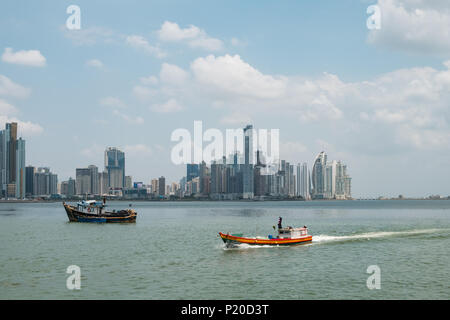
[210, 200]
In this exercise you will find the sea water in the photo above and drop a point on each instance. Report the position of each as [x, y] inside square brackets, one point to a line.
[173, 251]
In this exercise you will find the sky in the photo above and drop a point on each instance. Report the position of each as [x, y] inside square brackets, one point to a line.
[135, 71]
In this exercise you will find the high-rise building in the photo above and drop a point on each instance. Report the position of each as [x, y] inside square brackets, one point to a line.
[128, 182]
[343, 182]
[291, 181]
[64, 187]
[87, 180]
[248, 183]
[83, 181]
[9, 153]
[95, 187]
[330, 180]
[115, 166]
[103, 182]
[318, 176]
[29, 176]
[217, 181]
[192, 171]
[2, 163]
[303, 181]
[45, 183]
[68, 188]
[161, 186]
[12, 128]
[71, 187]
[20, 169]
[204, 180]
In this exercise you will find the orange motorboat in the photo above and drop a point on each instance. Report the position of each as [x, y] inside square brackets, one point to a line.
[286, 236]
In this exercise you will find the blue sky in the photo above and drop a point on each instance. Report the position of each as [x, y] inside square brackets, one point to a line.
[137, 70]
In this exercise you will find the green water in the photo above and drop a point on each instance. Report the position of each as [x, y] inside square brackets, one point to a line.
[173, 251]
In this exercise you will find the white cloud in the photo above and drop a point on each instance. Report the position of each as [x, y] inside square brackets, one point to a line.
[231, 75]
[6, 108]
[112, 102]
[141, 43]
[172, 74]
[25, 128]
[413, 26]
[192, 35]
[94, 63]
[8, 111]
[397, 106]
[171, 105]
[32, 58]
[28, 128]
[10, 88]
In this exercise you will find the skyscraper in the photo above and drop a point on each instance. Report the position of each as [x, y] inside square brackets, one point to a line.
[191, 171]
[3, 156]
[20, 180]
[95, 187]
[303, 181]
[128, 182]
[318, 176]
[161, 186]
[45, 183]
[154, 186]
[330, 180]
[83, 181]
[12, 128]
[115, 166]
[103, 182]
[343, 182]
[12, 163]
[248, 186]
[87, 180]
[29, 176]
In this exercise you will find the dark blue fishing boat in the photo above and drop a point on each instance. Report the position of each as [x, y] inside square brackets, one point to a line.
[94, 211]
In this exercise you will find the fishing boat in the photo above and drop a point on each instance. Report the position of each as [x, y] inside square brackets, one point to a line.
[286, 237]
[94, 211]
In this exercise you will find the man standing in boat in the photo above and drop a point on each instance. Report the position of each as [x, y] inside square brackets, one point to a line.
[279, 222]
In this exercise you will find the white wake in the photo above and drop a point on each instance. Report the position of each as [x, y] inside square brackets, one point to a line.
[372, 235]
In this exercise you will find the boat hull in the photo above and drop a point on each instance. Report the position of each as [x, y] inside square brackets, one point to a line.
[125, 216]
[231, 240]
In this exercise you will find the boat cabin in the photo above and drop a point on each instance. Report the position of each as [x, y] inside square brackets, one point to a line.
[91, 206]
[292, 233]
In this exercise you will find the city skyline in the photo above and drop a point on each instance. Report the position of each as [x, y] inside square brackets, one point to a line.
[375, 98]
[243, 176]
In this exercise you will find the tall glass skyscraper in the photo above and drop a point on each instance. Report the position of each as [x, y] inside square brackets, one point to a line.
[303, 181]
[318, 176]
[192, 171]
[20, 169]
[115, 166]
[248, 163]
[12, 163]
